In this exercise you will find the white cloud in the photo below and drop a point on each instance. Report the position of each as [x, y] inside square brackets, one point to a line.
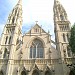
[69, 6]
[37, 10]
[42, 11]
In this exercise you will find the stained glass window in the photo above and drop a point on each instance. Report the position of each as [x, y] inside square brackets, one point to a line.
[36, 49]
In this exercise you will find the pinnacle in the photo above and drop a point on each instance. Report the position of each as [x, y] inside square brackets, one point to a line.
[20, 2]
[56, 2]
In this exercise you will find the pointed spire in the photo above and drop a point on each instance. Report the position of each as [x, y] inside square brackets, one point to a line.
[20, 2]
[56, 2]
[16, 15]
[58, 8]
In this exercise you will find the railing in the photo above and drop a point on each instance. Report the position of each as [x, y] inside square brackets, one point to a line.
[69, 60]
[38, 61]
[3, 61]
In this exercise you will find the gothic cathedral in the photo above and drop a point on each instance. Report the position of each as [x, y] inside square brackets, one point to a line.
[33, 53]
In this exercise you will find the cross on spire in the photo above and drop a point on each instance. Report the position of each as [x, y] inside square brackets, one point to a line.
[36, 22]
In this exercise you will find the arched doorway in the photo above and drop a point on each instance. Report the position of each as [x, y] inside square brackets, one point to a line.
[1, 73]
[23, 73]
[47, 73]
[35, 72]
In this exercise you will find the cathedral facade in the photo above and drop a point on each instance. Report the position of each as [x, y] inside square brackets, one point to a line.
[33, 53]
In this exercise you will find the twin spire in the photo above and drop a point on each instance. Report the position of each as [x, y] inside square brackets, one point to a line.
[20, 1]
[16, 15]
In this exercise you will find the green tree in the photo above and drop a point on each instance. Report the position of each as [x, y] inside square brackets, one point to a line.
[72, 39]
[72, 46]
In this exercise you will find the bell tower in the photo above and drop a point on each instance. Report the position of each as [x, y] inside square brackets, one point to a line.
[61, 29]
[12, 30]
[11, 34]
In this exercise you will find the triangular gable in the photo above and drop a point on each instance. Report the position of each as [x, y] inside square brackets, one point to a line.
[34, 67]
[47, 67]
[36, 29]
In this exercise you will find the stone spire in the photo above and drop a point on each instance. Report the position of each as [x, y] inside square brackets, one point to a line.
[20, 2]
[59, 11]
[15, 17]
[61, 29]
[56, 1]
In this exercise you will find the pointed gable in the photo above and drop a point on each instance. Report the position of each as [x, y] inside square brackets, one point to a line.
[36, 30]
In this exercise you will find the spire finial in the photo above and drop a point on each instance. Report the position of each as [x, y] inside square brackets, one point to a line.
[56, 2]
[20, 2]
[36, 22]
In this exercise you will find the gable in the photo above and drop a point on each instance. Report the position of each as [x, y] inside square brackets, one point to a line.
[36, 30]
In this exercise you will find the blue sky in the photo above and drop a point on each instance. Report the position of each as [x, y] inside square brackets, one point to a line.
[36, 10]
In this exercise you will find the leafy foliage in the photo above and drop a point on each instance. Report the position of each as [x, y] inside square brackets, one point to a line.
[72, 39]
[72, 72]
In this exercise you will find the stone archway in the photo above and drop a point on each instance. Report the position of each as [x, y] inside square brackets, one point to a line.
[23, 73]
[35, 72]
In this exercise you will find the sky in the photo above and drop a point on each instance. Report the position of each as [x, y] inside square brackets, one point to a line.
[36, 10]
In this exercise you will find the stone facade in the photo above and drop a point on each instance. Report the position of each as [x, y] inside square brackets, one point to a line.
[33, 53]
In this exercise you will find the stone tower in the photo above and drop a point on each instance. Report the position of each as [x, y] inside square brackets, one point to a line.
[62, 30]
[11, 36]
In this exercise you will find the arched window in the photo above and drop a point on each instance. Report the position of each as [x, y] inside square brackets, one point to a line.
[1, 73]
[36, 49]
[10, 40]
[15, 11]
[35, 72]
[61, 17]
[6, 39]
[64, 38]
[47, 73]
[68, 51]
[17, 41]
[13, 19]
[67, 36]
[5, 53]
[23, 73]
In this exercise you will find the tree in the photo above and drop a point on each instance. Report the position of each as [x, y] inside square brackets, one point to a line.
[72, 46]
[72, 39]
[72, 72]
